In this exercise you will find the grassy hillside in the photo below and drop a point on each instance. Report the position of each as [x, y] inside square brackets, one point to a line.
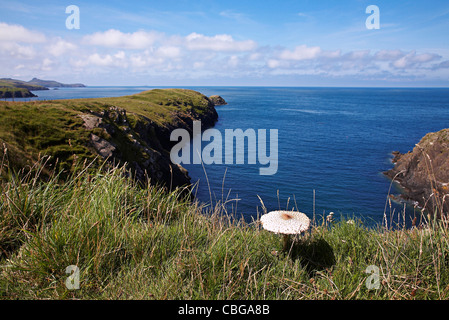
[11, 88]
[53, 84]
[13, 83]
[6, 92]
[134, 243]
[32, 129]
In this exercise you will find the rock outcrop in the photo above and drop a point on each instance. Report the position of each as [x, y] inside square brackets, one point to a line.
[217, 100]
[16, 93]
[424, 172]
[143, 144]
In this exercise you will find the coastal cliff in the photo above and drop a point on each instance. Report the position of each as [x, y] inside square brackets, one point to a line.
[217, 100]
[16, 93]
[423, 173]
[133, 130]
[13, 88]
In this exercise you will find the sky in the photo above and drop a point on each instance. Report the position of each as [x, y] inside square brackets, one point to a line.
[227, 43]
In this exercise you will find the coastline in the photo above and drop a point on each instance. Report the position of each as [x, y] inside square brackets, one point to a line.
[422, 173]
[131, 129]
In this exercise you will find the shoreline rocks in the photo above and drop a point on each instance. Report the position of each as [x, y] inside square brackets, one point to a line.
[16, 93]
[423, 173]
[217, 100]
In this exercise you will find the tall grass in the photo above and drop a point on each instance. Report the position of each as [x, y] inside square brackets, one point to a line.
[134, 242]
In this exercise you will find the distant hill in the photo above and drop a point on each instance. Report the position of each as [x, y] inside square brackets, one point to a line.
[14, 83]
[13, 88]
[54, 84]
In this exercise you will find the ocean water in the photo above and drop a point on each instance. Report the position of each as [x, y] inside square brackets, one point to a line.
[333, 145]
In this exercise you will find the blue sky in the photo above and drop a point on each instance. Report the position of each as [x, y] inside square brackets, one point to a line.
[272, 43]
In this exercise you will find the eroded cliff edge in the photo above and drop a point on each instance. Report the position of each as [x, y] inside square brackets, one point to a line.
[133, 130]
[423, 173]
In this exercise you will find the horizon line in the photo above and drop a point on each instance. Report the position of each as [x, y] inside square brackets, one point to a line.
[273, 86]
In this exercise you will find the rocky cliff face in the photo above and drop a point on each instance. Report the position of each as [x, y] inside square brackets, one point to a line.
[424, 172]
[133, 130]
[123, 137]
[15, 93]
[217, 100]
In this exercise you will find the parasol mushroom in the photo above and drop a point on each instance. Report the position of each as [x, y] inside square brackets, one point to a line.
[285, 223]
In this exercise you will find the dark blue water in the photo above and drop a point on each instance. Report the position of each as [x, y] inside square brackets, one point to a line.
[333, 145]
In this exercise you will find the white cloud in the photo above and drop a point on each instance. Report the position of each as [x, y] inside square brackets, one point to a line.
[197, 55]
[331, 54]
[121, 55]
[137, 61]
[61, 47]
[170, 52]
[441, 65]
[198, 65]
[304, 60]
[17, 51]
[273, 63]
[107, 60]
[146, 59]
[116, 39]
[412, 60]
[388, 55]
[358, 55]
[233, 61]
[47, 64]
[221, 42]
[17, 33]
[99, 60]
[302, 52]
[17, 42]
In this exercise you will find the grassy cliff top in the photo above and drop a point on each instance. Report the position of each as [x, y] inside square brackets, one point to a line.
[12, 83]
[16, 88]
[156, 104]
[55, 127]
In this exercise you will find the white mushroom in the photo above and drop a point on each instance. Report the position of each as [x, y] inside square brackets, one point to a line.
[286, 223]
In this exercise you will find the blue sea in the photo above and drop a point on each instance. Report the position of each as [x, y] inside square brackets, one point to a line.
[333, 145]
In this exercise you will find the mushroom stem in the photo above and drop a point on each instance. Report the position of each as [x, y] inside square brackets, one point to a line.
[286, 242]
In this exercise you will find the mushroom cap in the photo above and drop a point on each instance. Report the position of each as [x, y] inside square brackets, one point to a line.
[285, 222]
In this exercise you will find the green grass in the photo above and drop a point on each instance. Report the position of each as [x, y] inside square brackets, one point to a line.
[144, 243]
[32, 129]
[12, 84]
[14, 93]
[17, 88]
